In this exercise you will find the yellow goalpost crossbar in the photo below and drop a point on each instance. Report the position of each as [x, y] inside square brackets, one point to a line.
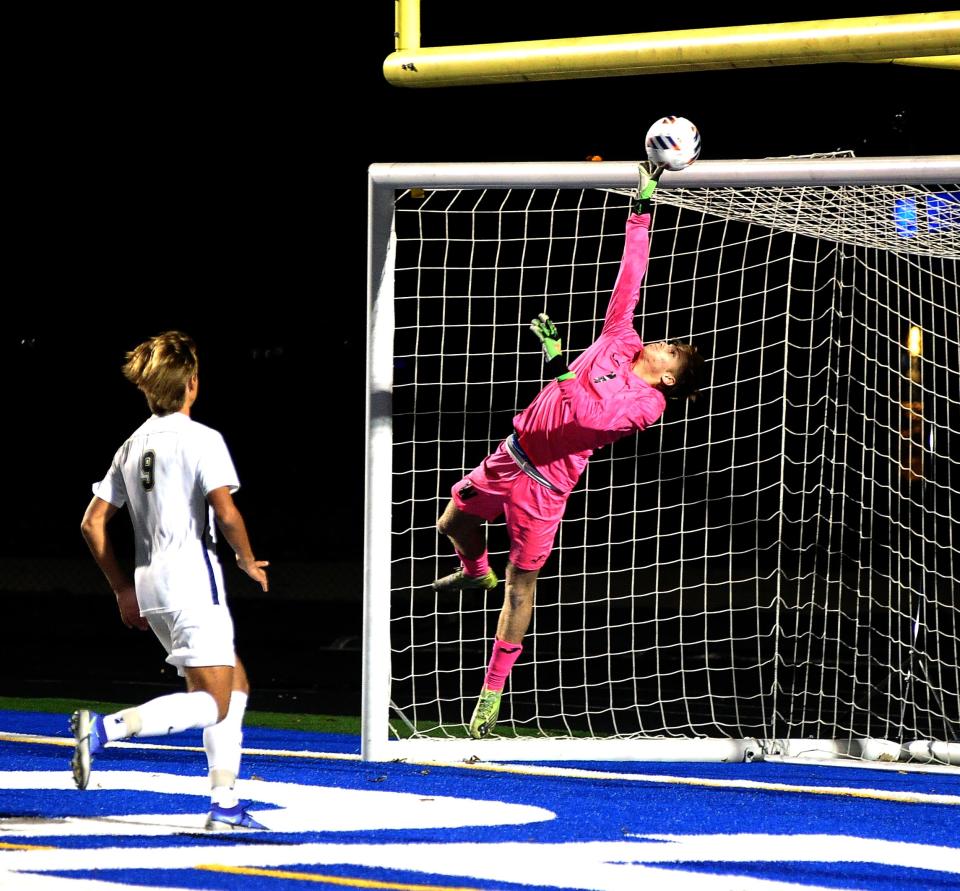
[926, 39]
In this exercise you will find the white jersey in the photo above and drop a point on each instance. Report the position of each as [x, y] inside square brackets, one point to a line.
[163, 473]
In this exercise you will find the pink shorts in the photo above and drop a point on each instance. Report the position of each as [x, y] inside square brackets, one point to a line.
[532, 511]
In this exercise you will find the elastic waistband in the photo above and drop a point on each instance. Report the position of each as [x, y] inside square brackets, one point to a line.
[526, 465]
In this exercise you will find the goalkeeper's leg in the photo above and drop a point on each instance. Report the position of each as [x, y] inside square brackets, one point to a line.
[515, 616]
[466, 534]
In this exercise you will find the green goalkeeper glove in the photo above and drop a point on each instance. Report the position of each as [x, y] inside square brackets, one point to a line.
[549, 339]
[646, 186]
[548, 335]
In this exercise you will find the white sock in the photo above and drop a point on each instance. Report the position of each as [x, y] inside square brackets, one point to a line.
[222, 743]
[163, 716]
[121, 725]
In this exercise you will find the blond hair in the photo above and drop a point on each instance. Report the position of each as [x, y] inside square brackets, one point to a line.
[162, 368]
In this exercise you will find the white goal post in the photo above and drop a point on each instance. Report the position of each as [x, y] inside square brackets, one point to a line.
[774, 570]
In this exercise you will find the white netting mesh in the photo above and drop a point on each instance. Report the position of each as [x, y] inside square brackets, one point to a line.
[780, 559]
[908, 219]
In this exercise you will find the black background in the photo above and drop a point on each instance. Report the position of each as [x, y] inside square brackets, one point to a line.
[207, 172]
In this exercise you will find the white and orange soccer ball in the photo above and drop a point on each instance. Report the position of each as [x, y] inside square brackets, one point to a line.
[673, 142]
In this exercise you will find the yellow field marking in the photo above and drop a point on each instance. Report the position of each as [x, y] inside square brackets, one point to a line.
[9, 846]
[545, 771]
[7, 736]
[43, 740]
[328, 880]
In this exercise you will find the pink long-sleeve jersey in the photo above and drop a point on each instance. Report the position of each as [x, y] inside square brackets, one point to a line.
[606, 401]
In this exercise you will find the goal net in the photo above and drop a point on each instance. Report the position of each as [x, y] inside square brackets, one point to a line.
[771, 570]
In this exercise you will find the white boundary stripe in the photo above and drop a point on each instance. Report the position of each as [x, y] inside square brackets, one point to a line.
[754, 785]
[699, 749]
[901, 797]
[27, 882]
[896, 766]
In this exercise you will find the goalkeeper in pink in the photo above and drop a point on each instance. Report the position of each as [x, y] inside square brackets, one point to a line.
[618, 386]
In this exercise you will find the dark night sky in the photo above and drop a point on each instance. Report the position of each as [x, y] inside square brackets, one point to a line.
[209, 175]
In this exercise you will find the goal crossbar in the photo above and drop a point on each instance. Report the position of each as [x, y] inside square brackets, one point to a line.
[825, 171]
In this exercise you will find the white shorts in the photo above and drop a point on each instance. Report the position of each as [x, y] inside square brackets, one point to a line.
[195, 637]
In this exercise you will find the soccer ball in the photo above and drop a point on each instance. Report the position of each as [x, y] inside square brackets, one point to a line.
[673, 142]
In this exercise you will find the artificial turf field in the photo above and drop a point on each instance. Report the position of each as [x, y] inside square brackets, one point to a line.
[337, 821]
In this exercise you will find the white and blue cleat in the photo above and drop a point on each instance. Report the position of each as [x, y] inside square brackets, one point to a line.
[228, 818]
[90, 736]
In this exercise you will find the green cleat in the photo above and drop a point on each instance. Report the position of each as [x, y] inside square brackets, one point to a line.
[485, 714]
[457, 581]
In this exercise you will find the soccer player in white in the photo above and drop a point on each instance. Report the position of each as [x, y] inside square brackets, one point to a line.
[175, 476]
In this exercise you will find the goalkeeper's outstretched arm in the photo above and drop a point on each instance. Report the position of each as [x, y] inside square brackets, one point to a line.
[636, 253]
